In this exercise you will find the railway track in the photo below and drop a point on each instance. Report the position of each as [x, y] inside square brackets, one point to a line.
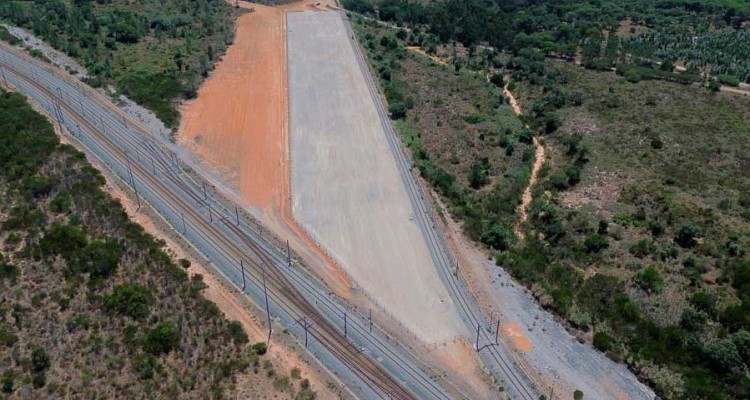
[497, 356]
[110, 141]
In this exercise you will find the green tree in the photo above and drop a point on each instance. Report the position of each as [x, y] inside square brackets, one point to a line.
[723, 355]
[578, 395]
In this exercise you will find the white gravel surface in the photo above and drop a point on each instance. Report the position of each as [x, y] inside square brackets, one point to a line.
[347, 192]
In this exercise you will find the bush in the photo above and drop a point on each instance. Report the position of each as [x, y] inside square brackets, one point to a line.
[688, 234]
[162, 339]
[39, 359]
[650, 280]
[577, 395]
[129, 299]
[595, 243]
[237, 332]
[397, 110]
[497, 236]
[602, 341]
[497, 80]
[729, 80]
[7, 381]
[260, 348]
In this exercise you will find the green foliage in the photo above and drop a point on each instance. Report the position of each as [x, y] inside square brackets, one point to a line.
[478, 174]
[154, 51]
[650, 280]
[8, 381]
[129, 299]
[397, 110]
[595, 243]
[40, 359]
[5, 36]
[260, 348]
[237, 332]
[602, 341]
[688, 234]
[162, 339]
[8, 272]
[497, 236]
[577, 395]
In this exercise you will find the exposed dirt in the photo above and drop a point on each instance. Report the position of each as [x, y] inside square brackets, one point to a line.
[437, 59]
[238, 125]
[523, 209]
[514, 333]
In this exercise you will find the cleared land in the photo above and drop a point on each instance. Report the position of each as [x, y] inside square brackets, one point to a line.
[347, 192]
[238, 124]
[237, 121]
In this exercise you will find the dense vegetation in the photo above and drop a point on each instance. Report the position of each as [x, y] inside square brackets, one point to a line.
[154, 51]
[640, 223]
[463, 138]
[90, 304]
[562, 28]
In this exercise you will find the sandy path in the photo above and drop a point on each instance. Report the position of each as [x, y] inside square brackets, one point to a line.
[523, 209]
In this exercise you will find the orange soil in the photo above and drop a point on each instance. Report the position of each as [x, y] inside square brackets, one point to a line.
[238, 123]
[538, 162]
[514, 332]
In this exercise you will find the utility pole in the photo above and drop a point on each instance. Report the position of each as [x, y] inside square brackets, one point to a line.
[153, 165]
[205, 194]
[370, 319]
[345, 327]
[497, 332]
[305, 326]
[268, 310]
[288, 254]
[237, 215]
[184, 227]
[242, 268]
[477, 344]
[210, 215]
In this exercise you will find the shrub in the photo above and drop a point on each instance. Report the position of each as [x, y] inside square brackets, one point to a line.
[595, 243]
[237, 332]
[650, 280]
[602, 341]
[687, 234]
[7, 381]
[260, 348]
[723, 355]
[397, 110]
[39, 359]
[8, 272]
[162, 339]
[497, 236]
[577, 395]
[497, 80]
[129, 299]
[184, 263]
[729, 80]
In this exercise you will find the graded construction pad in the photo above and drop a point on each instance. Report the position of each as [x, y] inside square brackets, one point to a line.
[346, 188]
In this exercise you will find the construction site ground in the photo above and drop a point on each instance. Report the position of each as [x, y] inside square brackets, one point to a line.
[346, 188]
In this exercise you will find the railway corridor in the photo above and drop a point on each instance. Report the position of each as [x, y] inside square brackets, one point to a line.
[363, 357]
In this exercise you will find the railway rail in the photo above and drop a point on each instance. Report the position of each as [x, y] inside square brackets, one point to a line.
[383, 367]
[496, 355]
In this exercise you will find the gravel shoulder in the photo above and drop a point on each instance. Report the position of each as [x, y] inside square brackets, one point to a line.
[347, 192]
